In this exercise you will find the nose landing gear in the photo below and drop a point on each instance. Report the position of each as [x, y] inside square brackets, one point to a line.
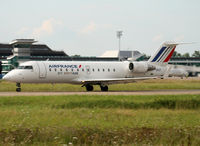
[18, 89]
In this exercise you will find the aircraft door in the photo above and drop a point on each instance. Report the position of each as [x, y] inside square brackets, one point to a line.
[87, 67]
[42, 70]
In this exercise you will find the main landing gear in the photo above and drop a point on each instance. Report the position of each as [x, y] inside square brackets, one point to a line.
[104, 88]
[18, 89]
[91, 88]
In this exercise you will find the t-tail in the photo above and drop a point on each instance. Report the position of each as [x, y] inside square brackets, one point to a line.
[164, 53]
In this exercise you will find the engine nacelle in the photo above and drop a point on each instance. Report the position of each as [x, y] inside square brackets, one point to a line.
[140, 67]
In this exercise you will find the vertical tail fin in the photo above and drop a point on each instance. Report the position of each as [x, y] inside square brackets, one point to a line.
[164, 53]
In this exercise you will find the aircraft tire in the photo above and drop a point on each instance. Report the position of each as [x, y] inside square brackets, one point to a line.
[89, 88]
[104, 88]
[18, 89]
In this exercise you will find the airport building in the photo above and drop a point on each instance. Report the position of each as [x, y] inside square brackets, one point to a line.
[21, 50]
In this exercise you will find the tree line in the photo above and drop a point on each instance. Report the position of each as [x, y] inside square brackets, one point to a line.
[186, 55]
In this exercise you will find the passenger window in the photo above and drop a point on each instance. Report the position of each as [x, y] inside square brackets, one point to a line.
[49, 69]
[93, 69]
[66, 69]
[82, 69]
[72, 70]
[103, 70]
[108, 70]
[55, 69]
[77, 69]
[113, 70]
[98, 69]
[61, 69]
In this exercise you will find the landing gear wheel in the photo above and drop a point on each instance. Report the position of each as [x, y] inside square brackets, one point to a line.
[18, 89]
[104, 88]
[89, 87]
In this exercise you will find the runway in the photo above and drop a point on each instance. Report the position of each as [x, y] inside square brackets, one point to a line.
[154, 92]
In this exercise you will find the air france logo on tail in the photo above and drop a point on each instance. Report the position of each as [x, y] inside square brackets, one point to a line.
[164, 53]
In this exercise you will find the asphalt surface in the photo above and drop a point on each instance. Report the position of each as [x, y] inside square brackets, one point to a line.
[155, 92]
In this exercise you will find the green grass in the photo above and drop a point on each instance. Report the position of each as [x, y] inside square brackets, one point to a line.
[100, 120]
[157, 84]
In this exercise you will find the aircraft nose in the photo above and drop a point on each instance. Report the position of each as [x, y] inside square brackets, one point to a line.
[6, 77]
[13, 76]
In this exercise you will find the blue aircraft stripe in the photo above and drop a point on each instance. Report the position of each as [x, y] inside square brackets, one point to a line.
[159, 53]
[163, 54]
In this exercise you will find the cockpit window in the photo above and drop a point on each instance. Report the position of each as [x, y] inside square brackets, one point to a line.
[28, 67]
[25, 67]
[20, 67]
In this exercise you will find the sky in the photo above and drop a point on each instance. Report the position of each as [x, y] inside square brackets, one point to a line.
[88, 27]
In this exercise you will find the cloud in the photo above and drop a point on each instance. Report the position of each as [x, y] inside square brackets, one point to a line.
[92, 26]
[179, 38]
[89, 28]
[22, 31]
[47, 27]
[157, 38]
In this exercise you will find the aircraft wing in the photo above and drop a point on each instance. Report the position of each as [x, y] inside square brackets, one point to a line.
[115, 80]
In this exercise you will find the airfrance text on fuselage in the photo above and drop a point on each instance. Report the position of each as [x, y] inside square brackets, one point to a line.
[63, 66]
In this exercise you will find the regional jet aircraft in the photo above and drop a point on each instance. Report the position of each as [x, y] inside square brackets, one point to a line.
[92, 73]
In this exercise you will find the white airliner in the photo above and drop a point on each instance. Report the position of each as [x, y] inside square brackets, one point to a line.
[178, 72]
[92, 72]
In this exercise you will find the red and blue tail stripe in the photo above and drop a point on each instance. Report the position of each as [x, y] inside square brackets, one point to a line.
[170, 55]
[164, 53]
[159, 53]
